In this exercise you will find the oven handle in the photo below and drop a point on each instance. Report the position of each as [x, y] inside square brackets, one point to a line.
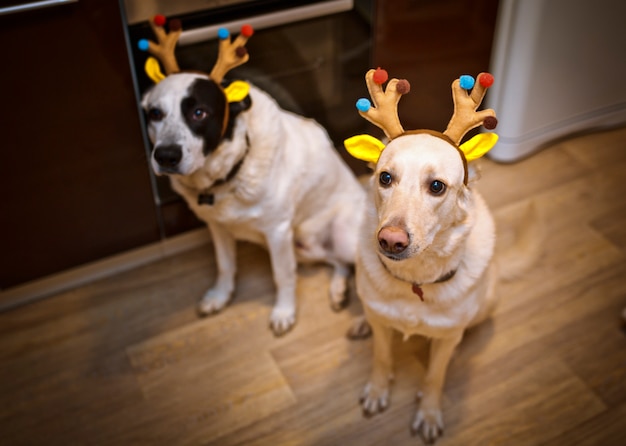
[267, 20]
[33, 5]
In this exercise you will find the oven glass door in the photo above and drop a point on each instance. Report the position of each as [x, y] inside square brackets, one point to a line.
[312, 66]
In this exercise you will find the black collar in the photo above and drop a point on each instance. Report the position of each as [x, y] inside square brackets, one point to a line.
[207, 197]
[417, 287]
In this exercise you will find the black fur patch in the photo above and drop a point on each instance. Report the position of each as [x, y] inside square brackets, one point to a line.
[204, 112]
[206, 96]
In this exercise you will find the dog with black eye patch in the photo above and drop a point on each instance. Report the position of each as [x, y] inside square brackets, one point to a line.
[255, 172]
[425, 261]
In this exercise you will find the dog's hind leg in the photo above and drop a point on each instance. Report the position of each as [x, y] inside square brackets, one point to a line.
[283, 258]
[343, 253]
[338, 285]
[225, 252]
[359, 329]
[308, 249]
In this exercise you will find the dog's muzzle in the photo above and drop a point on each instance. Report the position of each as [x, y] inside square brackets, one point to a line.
[168, 157]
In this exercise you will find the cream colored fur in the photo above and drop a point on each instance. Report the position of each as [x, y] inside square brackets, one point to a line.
[293, 194]
[453, 231]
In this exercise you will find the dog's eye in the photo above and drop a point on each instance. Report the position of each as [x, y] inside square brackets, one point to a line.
[437, 187]
[154, 114]
[199, 114]
[385, 178]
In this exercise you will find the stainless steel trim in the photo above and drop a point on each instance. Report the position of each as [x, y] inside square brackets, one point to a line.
[33, 6]
[267, 20]
[143, 10]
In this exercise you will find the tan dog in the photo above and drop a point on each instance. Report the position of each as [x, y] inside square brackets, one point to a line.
[424, 263]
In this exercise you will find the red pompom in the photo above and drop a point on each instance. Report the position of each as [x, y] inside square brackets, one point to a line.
[159, 20]
[175, 25]
[403, 86]
[486, 80]
[490, 123]
[380, 76]
[247, 30]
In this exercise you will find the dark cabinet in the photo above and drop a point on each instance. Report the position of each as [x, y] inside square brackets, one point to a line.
[75, 182]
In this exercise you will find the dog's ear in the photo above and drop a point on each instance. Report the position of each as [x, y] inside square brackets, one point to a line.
[237, 95]
[236, 91]
[145, 97]
[478, 145]
[463, 200]
[474, 172]
[234, 108]
[153, 70]
[238, 101]
[364, 147]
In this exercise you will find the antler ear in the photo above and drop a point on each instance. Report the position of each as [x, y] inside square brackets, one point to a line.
[230, 54]
[164, 50]
[465, 116]
[364, 147]
[384, 114]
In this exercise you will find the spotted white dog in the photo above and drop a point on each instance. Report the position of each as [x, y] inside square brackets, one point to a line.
[272, 178]
[252, 171]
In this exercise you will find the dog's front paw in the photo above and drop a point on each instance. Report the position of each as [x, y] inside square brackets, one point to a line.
[360, 329]
[374, 398]
[282, 320]
[428, 422]
[212, 302]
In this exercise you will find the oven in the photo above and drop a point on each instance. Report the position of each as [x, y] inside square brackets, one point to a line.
[310, 55]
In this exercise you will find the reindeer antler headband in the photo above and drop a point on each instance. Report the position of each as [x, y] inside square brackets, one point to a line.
[384, 114]
[230, 54]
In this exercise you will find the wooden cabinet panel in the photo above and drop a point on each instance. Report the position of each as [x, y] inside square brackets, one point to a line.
[74, 180]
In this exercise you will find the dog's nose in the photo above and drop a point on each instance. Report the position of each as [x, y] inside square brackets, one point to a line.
[168, 156]
[393, 240]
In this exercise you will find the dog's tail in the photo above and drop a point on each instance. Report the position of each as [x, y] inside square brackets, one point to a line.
[523, 247]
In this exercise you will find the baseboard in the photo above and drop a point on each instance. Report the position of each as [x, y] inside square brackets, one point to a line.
[48, 286]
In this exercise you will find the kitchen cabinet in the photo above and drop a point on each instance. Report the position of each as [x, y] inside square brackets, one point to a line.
[75, 182]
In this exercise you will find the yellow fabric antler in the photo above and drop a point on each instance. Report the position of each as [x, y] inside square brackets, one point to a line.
[467, 95]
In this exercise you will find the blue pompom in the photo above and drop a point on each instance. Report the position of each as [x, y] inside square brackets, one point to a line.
[363, 105]
[223, 33]
[143, 44]
[467, 82]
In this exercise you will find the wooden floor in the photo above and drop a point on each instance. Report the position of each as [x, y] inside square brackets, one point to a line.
[125, 361]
